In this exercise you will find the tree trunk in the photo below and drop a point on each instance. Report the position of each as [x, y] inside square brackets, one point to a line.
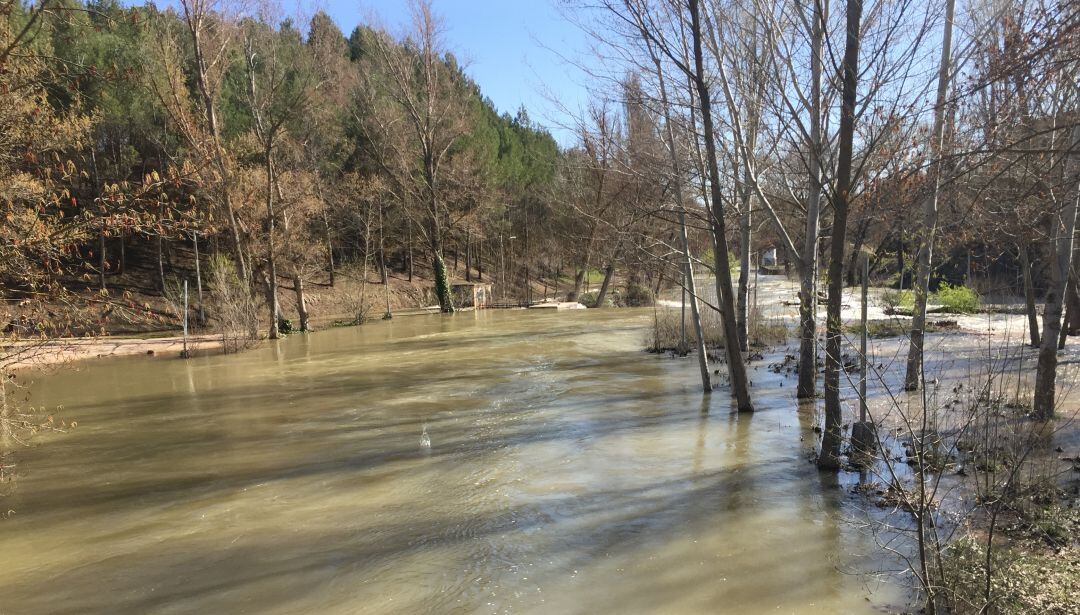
[809, 262]
[829, 458]
[690, 285]
[1029, 296]
[271, 284]
[161, 262]
[856, 251]
[101, 259]
[601, 297]
[1064, 230]
[579, 279]
[194, 20]
[384, 274]
[201, 312]
[329, 250]
[410, 252]
[442, 282]
[468, 256]
[742, 317]
[301, 304]
[740, 389]
[1072, 301]
[913, 378]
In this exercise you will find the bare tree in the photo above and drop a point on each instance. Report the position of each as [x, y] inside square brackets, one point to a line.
[1063, 232]
[831, 438]
[736, 367]
[421, 115]
[930, 207]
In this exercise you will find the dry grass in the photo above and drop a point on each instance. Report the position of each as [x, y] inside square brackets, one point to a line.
[666, 334]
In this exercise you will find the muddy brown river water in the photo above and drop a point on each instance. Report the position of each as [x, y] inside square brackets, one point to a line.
[568, 472]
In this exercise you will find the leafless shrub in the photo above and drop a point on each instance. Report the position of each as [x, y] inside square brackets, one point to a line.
[234, 306]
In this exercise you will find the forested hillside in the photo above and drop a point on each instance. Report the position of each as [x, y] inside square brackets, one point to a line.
[136, 138]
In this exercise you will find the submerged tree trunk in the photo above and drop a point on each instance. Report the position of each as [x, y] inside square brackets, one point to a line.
[808, 266]
[913, 377]
[1064, 230]
[1029, 296]
[740, 388]
[829, 458]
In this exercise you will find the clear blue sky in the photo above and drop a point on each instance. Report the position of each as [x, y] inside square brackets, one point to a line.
[511, 48]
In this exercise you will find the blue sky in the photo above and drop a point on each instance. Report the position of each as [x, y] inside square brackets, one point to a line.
[511, 48]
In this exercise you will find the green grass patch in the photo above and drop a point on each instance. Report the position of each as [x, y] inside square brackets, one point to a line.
[891, 327]
[956, 299]
[950, 299]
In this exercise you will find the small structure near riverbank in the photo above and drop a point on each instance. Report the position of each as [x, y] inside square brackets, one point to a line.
[472, 294]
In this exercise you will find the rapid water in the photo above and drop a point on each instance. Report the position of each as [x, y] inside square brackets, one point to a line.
[567, 472]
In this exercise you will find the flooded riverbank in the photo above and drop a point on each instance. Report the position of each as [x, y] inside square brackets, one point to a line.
[568, 472]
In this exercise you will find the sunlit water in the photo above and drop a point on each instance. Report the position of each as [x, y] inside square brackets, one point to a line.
[567, 472]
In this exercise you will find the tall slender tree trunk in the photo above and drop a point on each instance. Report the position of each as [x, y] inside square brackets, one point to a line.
[1029, 296]
[201, 312]
[301, 303]
[410, 252]
[161, 262]
[1071, 325]
[742, 307]
[102, 262]
[913, 377]
[271, 261]
[329, 249]
[829, 458]
[1064, 231]
[808, 263]
[688, 264]
[383, 271]
[468, 256]
[740, 387]
[195, 19]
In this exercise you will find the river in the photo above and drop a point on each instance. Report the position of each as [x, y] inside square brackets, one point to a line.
[568, 472]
